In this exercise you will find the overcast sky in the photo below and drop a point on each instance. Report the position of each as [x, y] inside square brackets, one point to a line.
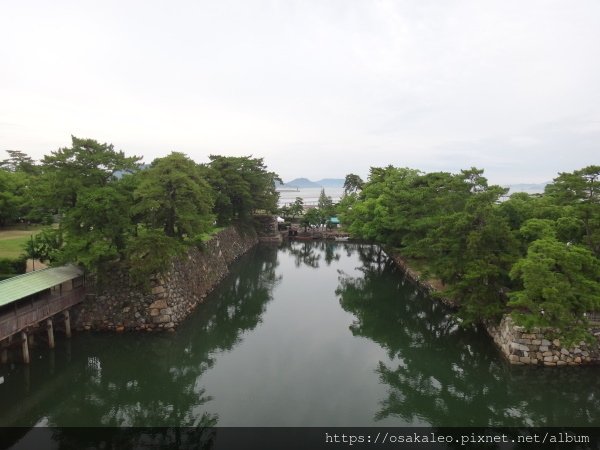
[318, 88]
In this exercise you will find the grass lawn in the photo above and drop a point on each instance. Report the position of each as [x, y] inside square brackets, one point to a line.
[12, 240]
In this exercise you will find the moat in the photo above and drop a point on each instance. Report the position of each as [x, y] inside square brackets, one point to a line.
[307, 334]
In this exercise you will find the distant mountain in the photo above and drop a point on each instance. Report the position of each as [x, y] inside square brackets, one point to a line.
[306, 183]
[529, 188]
[300, 183]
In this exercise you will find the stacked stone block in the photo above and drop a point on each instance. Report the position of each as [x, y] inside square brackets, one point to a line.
[537, 347]
[519, 346]
[173, 295]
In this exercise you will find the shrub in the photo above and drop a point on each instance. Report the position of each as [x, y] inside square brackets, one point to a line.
[10, 266]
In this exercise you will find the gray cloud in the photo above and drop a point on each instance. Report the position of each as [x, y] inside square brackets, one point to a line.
[317, 88]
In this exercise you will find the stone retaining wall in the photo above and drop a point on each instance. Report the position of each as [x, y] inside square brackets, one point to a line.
[266, 228]
[173, 296]
[534, 347]
[422, 283]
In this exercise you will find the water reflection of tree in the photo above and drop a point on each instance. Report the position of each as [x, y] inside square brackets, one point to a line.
[155, 380]
[442, 375]
[309, 253]
[303, 252]
[330, 252]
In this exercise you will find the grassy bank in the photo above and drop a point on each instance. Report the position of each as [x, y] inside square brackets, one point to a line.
[13, 239]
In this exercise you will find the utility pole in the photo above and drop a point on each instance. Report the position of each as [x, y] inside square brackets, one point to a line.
[32, 254]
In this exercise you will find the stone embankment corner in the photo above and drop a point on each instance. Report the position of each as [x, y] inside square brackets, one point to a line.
[520, 346]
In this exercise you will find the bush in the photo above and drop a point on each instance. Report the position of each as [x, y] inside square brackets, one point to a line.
[9, 266]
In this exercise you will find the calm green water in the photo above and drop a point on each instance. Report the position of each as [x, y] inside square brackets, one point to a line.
[310, 334]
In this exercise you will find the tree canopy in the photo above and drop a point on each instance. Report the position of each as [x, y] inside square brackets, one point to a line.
[18, 161]
[110, 210]
[173, 195]
[87, 164]
[242, 186]
[494, 255]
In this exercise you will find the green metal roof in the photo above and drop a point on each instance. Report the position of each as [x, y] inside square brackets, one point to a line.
[21, 286]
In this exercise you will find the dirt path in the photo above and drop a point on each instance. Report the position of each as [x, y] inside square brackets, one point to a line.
[31, 264]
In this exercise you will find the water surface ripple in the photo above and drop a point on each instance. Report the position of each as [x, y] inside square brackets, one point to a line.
[307, 334]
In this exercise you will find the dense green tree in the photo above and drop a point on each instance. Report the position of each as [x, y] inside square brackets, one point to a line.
[451, 221]
[80, 184]
[18, 185]
[242, 185]
[570, 228]
[284, 211]
[425, 203]
[18, 161]
[69, 171]
[482, 261]
[344, 207]
[112, 213]
[559, 283]
[534, 229]
[517, 209]
[371, 216]
[96, 229]
[10, 201]
[149, 252]
[312, 217]
[353, 184]
[580, 191]
[45, 245]
[297, 208]
[325, 205]
[174, 196]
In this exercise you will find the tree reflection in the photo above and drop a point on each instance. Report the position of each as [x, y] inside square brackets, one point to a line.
[309, 253]
[329, 250]
[442, 375]
[156, 380]
[303, 252]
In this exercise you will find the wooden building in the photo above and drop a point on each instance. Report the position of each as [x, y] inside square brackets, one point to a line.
[35, 298]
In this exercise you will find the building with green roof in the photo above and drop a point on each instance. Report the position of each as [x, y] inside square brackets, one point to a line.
[28, 299]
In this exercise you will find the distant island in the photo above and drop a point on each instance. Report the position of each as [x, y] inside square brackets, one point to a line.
[302, 183]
